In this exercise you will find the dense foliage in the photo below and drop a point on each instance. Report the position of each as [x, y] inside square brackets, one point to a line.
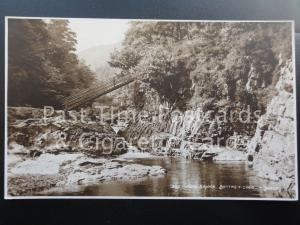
[206, 64]
[42, 64]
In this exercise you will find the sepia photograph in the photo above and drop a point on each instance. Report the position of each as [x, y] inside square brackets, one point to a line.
[172, 109]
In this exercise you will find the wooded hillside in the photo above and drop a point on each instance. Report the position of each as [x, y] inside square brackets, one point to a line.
[205, 64]
[42, 64]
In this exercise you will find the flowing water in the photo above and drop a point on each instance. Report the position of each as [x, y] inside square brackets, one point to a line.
[185, 178]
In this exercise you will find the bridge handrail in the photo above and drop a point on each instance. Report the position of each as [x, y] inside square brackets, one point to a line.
[85, 90]
[97, 86]
[105, 85]
[93, 92]
[78, 101]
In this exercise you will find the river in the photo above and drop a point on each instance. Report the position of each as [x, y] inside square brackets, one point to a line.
[185, 178]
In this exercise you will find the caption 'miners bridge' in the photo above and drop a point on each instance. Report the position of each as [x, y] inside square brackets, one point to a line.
[88, 95]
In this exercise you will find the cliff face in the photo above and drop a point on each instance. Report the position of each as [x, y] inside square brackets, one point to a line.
[273, 145]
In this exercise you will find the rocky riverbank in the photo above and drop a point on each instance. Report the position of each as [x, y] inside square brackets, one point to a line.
[43, 154]
[267, 143]
[53, 153]
[31, 176]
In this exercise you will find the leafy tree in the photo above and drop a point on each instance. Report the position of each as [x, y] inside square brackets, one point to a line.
[213, 65]
[27, 63]
[42, 64]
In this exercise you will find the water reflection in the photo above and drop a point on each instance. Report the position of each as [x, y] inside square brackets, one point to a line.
[185, 178]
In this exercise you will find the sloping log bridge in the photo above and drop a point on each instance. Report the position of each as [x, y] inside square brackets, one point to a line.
[88, 95]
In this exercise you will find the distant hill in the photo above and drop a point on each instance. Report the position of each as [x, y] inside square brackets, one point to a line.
[97, 57]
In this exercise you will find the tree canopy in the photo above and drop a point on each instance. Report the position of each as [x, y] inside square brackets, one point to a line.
[42, 64]
[192, 63]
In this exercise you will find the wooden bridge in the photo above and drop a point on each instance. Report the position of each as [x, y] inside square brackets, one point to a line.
[88, 95]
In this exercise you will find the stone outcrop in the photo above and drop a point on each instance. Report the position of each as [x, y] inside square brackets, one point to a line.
[48, 170]
[273, 147]
[57, 152]
[35, 136]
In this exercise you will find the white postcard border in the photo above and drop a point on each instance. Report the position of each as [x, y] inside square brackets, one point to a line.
[6, 196]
